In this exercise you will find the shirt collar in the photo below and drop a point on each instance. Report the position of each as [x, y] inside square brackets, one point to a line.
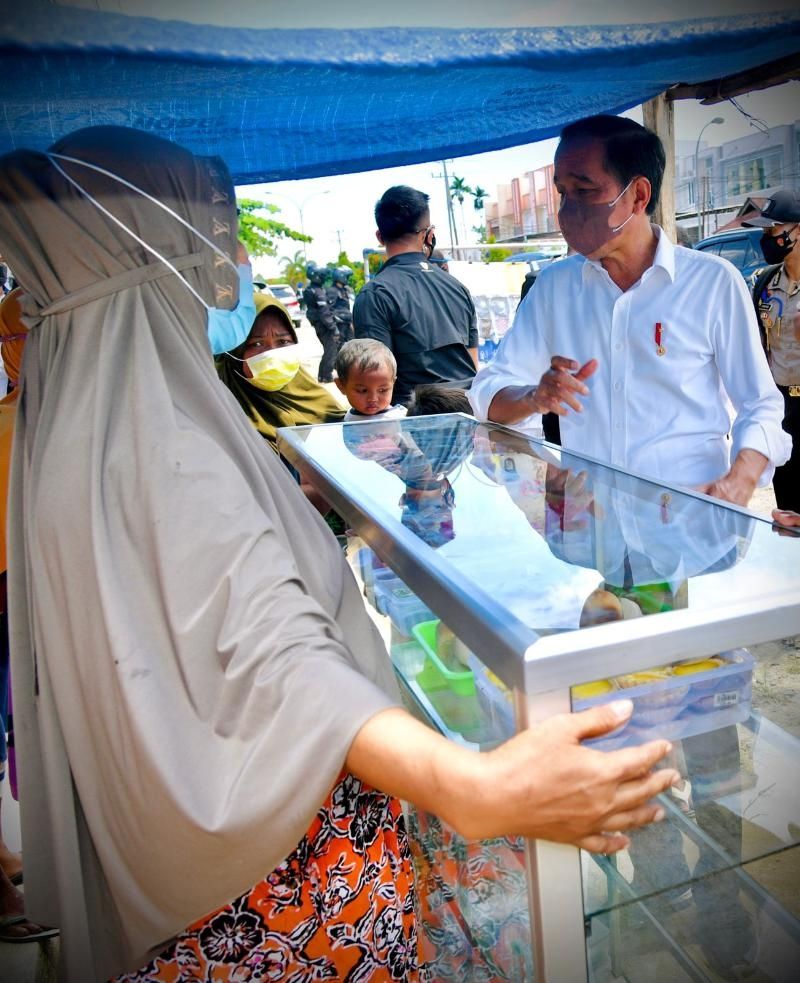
[407, 259]
[664, 257]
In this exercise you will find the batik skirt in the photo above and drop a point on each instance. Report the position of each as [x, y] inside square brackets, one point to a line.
[340, 907]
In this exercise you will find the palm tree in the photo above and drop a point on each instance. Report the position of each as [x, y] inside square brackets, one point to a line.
[479, 195]
[459, 189]
[294, 268]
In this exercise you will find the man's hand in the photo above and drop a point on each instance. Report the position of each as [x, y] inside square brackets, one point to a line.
[562, 384]
[740, 482]
[785, 522]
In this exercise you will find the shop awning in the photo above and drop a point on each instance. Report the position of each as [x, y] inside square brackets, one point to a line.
[280, 104]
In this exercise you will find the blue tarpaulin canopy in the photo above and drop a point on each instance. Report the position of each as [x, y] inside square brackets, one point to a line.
[280, 104]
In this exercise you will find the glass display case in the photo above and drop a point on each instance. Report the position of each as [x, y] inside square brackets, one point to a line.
[513, 581]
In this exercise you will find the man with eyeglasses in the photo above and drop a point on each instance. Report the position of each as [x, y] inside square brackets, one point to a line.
[426, 317]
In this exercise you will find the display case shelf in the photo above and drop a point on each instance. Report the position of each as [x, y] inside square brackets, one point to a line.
[554, 572]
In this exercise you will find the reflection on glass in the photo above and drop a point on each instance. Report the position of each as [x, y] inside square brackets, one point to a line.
[713, 892]
[551, 543]
[472, 904]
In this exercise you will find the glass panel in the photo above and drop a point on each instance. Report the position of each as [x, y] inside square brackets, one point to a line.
[734, 250]
[713, 893]
[473, 907]
[546, 542]
[442, 681]
[472, 896]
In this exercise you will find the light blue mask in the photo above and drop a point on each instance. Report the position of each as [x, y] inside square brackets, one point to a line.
[226, 329]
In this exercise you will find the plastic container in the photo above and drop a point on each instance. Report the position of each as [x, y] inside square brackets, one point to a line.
[401, 604]
[450, 693]
[681, 700]
[435, 674]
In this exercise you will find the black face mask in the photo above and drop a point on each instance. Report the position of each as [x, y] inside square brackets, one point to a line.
[776, 248]
[430, 243]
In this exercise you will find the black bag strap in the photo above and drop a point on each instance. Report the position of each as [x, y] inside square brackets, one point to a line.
[763, 277]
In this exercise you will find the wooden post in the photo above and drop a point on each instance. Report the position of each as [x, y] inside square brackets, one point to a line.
[658, 116]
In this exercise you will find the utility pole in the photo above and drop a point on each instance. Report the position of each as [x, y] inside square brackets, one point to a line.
[451, 219]
[339, 237]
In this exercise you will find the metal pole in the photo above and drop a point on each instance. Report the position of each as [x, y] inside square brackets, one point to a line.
[451, 219]
[700, 211]
[303, 230]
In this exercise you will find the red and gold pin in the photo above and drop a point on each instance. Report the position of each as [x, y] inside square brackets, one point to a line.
[658, 337]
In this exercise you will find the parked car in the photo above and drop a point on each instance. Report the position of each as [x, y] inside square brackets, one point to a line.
[740, 247]
[286, 295]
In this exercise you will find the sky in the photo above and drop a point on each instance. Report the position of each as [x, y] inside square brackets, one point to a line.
[341, 207]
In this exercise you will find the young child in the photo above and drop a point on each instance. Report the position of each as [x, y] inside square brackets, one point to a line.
[365, 372]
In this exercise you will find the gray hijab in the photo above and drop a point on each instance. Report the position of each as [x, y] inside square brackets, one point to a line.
[191, 657]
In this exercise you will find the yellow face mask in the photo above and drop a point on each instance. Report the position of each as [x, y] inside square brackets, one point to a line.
[274, 369]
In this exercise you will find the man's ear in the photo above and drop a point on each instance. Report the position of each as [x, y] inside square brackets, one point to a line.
[644, 192]
[379, 237]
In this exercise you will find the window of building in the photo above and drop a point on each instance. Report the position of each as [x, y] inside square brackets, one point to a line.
[743, 177]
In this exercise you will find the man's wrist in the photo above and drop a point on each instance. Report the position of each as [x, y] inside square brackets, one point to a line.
[749, 465]
[531, 400]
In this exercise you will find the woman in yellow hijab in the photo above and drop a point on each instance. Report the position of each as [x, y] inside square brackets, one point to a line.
[294, 398]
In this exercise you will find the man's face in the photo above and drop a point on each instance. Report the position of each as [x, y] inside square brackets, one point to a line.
[586, 187]
[789, 229]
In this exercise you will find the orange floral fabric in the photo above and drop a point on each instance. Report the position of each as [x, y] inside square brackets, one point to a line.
[340, 907]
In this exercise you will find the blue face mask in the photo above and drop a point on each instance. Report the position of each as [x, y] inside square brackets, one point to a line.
[226, 329]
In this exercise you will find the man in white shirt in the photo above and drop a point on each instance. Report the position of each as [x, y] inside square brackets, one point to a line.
[654, 335]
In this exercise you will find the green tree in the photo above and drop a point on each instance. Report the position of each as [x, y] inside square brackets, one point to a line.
[261, 234]
[294, 268]
[459, 189]
[496, 255]
[479, 196]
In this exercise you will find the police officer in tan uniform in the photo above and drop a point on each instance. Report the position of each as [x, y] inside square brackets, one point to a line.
[777, 298]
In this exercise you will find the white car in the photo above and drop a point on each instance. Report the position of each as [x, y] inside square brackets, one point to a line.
[286, 295]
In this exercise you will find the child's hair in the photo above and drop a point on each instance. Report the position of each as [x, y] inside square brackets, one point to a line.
[364, 355]
[429, 398]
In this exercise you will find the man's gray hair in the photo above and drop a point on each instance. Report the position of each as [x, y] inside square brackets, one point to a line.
[365, 355]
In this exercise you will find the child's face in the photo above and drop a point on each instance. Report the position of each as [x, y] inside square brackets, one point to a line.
[368, 392]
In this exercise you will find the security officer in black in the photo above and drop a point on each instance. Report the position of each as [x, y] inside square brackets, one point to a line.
[424, 316]
[318, 312]
[339, 298]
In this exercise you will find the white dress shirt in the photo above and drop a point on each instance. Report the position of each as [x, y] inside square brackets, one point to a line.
[664, 416]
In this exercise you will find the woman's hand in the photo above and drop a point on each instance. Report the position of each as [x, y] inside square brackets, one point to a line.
[541, 783]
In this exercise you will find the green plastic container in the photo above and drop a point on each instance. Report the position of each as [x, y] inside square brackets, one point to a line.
[435, 675]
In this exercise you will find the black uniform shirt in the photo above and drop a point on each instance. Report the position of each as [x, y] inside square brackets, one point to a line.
[425, 316]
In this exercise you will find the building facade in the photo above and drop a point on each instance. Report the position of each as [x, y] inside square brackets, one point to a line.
[525, 209]
[753, 166]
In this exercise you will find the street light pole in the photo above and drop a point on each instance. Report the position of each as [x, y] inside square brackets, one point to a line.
[701, 211]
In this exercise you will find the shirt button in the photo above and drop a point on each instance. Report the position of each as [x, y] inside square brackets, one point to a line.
[618, 386]
[618, 347]
[618, 426]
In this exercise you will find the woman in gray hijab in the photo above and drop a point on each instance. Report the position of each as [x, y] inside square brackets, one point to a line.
[202, 703]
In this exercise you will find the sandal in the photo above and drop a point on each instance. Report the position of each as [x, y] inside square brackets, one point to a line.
[11, 921]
